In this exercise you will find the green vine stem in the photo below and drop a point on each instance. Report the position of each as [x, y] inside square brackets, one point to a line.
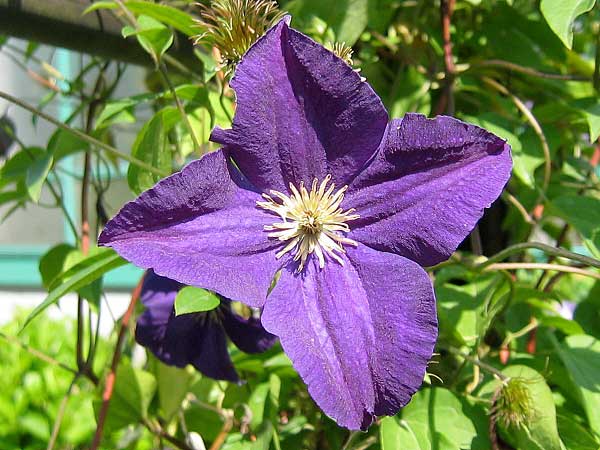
[95, 142]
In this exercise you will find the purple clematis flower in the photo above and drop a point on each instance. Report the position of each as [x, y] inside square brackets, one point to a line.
[346, 204]
[198, 339]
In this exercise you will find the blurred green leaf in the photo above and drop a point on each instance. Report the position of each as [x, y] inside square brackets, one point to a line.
[36, 424]
[82, 274]
[581, 356]
[203, 421]
[575, 436]
[560, 15]
[133, 392]
[583, 213]
[347, 18]
[152, 35]
[168, 15]
[36, 176]
[173, 385]
[52, 263]
[191, 299]
[151, 147]
[17, 166]
[62, 144]
[435, 419]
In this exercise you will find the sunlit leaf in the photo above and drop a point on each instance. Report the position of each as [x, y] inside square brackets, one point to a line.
[560, 15]
[193, 300]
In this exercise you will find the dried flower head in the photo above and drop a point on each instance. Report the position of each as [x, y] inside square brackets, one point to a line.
[342, 50]
[514, 405]
[232, 26]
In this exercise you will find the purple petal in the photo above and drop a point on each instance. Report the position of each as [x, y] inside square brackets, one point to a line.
[197, 339]
[427, 187]
[201, 227]
[247, 334]
[302, 112]
[211, 355]
[360, 335]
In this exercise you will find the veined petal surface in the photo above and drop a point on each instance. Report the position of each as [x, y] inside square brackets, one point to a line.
[360, 335]
[201, 227]
[302, 112]
[427, 187]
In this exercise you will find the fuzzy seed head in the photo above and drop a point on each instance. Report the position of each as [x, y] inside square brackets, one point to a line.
[232, 26]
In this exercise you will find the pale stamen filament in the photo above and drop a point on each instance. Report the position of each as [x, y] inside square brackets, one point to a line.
[311, 221]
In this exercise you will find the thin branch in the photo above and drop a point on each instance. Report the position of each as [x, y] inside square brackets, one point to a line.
[534, 124]
[113, 151]
[446, 102]
[222, 436]
[62, 409]
[109, 383]
[596, 79]
[519, 206]
[542, 266]
[548, 249]
[477, 362]
[163, 71]
[351, 436]
[527, 70]
[37, 353]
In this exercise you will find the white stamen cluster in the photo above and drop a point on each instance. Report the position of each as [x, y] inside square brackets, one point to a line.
[312, 221]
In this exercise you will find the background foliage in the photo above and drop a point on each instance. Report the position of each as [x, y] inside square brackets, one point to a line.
[520, 300]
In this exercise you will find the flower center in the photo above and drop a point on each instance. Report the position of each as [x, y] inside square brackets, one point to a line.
[311, 221]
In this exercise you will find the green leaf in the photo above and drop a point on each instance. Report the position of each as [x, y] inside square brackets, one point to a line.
[581, 356]
[36, 176]
[203, 421]
[52, 263]
[397, 434]
[435, 419]
[121, 110]
[592, 116]
[583, 213]
[99, 5]
[560, 15]
[16, 167]
[575, 436]
[192, 300]
[133, 392]
[36, 424]
[151, 147]
[347, 18]
[62, 143]
[565, 325]
[152, 35]
[82, 274]
[168, 15]
[257, 402]
[173, 385]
